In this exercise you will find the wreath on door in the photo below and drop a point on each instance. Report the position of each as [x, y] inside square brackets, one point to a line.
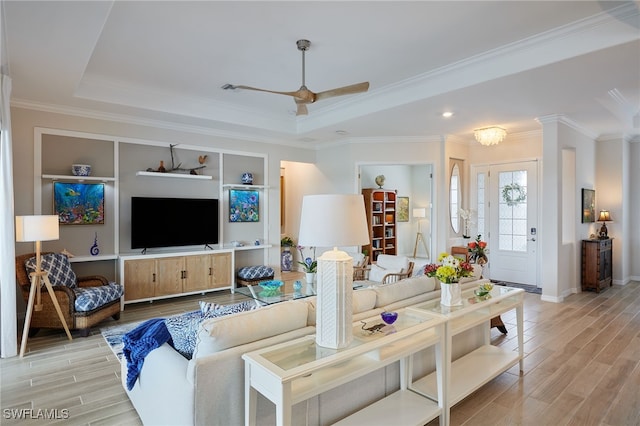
[513, 194]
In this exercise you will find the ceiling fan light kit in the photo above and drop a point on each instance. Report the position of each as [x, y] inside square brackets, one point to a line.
[304, 96]
[488, 136]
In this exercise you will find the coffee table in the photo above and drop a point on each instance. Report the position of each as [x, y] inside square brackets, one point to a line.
[284, 293]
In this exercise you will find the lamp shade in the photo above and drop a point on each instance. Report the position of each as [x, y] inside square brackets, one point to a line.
[332, 220]
[37, 228]
[604, 216]
[420, 212]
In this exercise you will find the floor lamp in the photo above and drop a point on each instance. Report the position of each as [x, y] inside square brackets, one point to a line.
[334, 220]
[420, 214]
[38, 229]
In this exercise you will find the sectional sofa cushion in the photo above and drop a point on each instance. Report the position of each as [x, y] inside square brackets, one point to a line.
[217, 334]
[403, 289]
[362, 300]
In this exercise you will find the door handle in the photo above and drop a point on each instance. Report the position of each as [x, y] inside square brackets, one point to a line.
[531, 239]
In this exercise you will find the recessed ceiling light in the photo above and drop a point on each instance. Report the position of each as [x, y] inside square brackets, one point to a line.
[447, 114]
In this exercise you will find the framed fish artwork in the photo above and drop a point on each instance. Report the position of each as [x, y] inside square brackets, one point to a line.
[79, 203]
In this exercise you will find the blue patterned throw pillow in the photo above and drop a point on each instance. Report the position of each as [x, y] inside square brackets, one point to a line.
[184, 327]
[58, 267]
[213, 310]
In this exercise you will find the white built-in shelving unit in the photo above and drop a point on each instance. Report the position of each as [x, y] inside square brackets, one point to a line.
[119, 163]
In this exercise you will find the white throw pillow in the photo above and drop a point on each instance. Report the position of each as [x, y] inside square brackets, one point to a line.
[389, 261]
[377, 273]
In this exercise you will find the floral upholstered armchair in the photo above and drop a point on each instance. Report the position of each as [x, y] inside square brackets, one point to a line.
[85, 301]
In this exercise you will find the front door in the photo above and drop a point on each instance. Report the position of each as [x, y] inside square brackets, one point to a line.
[511, 219]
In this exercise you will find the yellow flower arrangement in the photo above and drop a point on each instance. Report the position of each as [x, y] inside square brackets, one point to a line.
[449, 269]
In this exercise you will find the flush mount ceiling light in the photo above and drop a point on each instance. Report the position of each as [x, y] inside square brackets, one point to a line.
[490, 135]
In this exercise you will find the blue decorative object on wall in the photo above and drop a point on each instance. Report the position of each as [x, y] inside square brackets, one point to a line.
[94, 248]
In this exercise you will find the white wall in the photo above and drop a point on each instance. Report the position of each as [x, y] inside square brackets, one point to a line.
[344, 161]
[634, 208]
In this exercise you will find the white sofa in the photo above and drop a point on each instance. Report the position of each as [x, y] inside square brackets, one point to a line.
[209, 389]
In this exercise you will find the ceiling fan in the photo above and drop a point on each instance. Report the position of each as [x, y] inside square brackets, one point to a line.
[304, 96]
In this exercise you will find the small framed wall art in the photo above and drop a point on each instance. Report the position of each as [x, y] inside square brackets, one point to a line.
[79, 203]
[244, 205]
[402, 207]
[588, 205]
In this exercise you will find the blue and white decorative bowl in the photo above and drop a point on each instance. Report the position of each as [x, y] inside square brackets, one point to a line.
[81, 169]
[247, 178]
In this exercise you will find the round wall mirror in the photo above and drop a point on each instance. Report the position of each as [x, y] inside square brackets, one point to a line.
[455, 192]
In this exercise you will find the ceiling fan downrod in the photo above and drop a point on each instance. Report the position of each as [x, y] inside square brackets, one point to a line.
[303, 46]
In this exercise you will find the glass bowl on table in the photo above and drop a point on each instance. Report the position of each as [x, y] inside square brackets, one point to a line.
[270, 288]
[483, 292]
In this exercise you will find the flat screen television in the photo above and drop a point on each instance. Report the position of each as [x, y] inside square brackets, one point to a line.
[171, 222]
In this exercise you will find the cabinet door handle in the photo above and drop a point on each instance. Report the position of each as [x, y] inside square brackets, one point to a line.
[210, 271]
[154, 277]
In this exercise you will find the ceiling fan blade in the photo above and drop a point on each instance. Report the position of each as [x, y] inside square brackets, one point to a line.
[294, 94]
[302, 107]
[302, 110]
[346, 90]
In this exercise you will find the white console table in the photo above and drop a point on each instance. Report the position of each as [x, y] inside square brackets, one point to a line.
[298, 370]
[467, 374]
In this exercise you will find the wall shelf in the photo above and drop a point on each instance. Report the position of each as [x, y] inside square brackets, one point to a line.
[174, 175]
[246, 247]
[77, 259]
[243, 186]
[79, 178]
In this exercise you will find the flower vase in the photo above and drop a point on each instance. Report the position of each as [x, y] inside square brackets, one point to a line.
[286, 259]
[450, 294]
[310, 278]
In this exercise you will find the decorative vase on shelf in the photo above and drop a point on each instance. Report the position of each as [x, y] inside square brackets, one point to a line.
[450, 294]
[286, 259]
[247, 178]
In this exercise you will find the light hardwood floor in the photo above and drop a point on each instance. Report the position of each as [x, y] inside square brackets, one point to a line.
[582, 367]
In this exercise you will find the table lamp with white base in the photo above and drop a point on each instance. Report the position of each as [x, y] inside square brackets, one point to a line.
[333, 220]
[38, 228]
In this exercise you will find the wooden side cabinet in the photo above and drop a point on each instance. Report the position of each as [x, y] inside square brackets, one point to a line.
[150, 277]
[596, 264]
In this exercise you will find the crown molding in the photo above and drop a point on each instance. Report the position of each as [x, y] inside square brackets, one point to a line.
[148, 122]
[560, 118]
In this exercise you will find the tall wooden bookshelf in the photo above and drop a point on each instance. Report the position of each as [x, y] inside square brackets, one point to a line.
[380, 206]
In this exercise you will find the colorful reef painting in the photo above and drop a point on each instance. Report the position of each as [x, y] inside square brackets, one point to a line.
[79, 203]
[243, 205]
